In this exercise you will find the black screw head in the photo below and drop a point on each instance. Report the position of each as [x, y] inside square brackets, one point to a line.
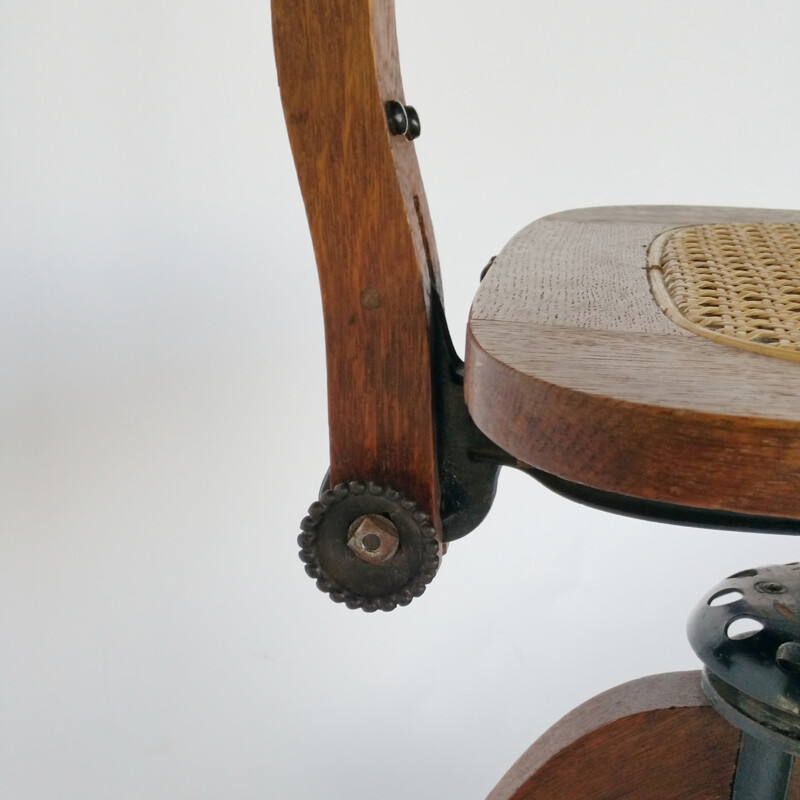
[414, 127]
[397, 118]
[770, 587]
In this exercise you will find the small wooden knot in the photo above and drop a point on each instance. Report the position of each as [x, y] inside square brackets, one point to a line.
[371, 298]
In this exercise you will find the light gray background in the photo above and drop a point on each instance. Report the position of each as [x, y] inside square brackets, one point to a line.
[162, 409]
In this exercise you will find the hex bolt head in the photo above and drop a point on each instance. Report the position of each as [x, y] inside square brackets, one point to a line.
[373, 538]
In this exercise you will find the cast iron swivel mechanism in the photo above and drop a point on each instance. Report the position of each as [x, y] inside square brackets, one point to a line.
[747, 633]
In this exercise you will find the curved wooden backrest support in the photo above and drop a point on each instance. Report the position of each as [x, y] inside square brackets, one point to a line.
[338, 67]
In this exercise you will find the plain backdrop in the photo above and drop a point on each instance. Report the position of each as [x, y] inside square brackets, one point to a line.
[162, 393]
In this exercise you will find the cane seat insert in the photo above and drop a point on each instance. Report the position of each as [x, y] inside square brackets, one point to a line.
[736, 284]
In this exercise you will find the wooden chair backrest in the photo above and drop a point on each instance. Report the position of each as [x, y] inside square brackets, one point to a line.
[376, 256]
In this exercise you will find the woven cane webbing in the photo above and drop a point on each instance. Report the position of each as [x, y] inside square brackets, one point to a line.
[736, 284]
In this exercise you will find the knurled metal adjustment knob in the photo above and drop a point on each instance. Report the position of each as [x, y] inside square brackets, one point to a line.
[746, 631]
[368, 546]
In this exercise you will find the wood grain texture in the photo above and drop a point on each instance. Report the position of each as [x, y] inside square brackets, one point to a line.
[655, 738]
[588, 268]
[373, 241]
[677, 215]
[573, 368]
[651, 739]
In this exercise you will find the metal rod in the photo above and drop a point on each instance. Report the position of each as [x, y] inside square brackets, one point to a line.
[762, 771]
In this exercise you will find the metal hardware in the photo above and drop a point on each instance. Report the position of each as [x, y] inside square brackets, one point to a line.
[340, 553]
[651, 510]
[397, 118]
[373, 538]
[402, 120]
[762, 772]
[414, 125]
[754, 661]
[469, 462]
[770, 587]
[746, 631]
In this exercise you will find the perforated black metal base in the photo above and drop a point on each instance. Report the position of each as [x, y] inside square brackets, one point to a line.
[746, 631]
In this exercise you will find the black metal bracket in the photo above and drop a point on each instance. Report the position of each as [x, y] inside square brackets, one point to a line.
[469, 462]
[658, 511]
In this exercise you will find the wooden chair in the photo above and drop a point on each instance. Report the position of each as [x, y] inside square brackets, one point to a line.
[639, 359]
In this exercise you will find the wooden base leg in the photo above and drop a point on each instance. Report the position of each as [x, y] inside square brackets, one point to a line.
[655, 738]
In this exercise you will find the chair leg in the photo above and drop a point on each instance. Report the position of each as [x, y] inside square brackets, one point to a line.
[656, 738]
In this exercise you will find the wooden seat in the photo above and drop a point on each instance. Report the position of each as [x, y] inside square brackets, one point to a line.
[573, 368]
